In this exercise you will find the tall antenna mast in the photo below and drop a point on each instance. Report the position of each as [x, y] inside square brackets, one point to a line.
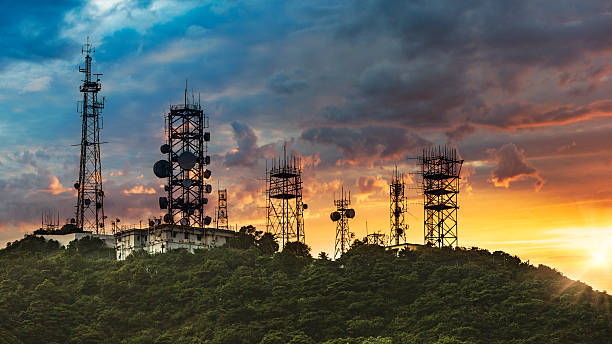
[90, 199]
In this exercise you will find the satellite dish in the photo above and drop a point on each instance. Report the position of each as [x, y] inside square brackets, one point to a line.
[187, 182]
[162, 169]
[166, 188]
[184, 222]
[207, 174]
[163, 203]
[207, 160]
[399, 231]
[187, 160]
[87, 202]
[72, 220]
[168, 218]
[335, 216]
[165, 149]
[204, 200]
[99, 205]
[350, 213]
[208, 188]
[304, 206]
[151, 223]
[207, 220]
[76, 185]
[207, 136]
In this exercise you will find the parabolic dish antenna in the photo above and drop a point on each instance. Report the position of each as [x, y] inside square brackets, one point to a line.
[187, 160]
[165, 148]
[162, 169]
[335, 216]
[350, 213]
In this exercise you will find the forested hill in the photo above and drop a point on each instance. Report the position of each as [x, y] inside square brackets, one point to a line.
[249, 295]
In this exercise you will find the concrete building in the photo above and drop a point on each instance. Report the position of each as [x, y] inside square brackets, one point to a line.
[161, 238]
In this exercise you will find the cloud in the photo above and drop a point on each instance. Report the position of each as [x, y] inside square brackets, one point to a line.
[282, 83]
[368, 144]
[38, 84]
[139, 190]
[248, 152]
[512, 166]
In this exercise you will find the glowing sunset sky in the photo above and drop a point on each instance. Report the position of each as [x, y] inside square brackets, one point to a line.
[522, 88]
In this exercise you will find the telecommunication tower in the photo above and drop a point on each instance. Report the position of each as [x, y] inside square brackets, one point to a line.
[222, 221]
[440, 172]
[284, 204]
[90, 199]
[48, 222]
[398, 209]
[185, 167]
[341, 216]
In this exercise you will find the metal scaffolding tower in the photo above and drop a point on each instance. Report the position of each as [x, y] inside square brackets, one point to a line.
[222, 220]
[398, 208]
[341, 216]
[185, 167]
[90, 199]
[284, 204]
[440, 172]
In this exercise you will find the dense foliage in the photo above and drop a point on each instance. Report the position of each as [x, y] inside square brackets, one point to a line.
[251, 295]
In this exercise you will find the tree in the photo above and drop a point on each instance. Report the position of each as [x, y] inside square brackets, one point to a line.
[298, 249]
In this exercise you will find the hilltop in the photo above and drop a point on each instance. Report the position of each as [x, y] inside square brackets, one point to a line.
[248, 295]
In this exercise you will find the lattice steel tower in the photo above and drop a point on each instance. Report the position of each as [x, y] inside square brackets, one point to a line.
[398, 208]
[185, 167]
[440, 172]
[341, 216]
[90, 199]
[222, 220]
[284, 204]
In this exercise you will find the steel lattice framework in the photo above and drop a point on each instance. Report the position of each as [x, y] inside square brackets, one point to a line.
[284, 204]
[440, 172]
[222, 220]
[90, 199]
[188, 157]
[341, 216]
[398, 207]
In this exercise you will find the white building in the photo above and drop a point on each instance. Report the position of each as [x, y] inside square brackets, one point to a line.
[65, 239]
[161, 238]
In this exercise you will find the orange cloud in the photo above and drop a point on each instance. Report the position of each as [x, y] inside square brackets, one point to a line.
[55, 187]
[139, 190]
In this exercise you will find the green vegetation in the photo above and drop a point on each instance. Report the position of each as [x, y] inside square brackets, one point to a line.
[249, 294]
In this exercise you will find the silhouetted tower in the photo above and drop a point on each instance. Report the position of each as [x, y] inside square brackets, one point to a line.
[284, 204]
[398, 209]
[185, 168]
[341, 216]
[222, 221]
[90, 199]
[440, 172]
[48, 222]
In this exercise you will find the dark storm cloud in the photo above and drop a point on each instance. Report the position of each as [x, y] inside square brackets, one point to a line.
[367, 144]
[512, 166]
[282, 83]
[248, 153]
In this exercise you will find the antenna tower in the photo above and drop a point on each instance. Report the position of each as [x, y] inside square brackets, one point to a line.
[185, 168]
[284, 204]
[222, 221]
[398, 209]
[90, 199]
[341, 216]
[440, 172]
[48, 222]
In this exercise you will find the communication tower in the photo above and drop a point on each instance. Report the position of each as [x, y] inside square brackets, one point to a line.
[90, 199]
[222, 221]
[284, 204]
[440, 172]
[48, 222]
[341, 216]
[185, 167]
[376, 238]
[398, 209]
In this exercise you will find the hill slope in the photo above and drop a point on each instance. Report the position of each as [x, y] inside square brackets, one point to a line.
[81, 295]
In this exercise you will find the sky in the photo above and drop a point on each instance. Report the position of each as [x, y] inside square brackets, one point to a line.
[521, 88]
